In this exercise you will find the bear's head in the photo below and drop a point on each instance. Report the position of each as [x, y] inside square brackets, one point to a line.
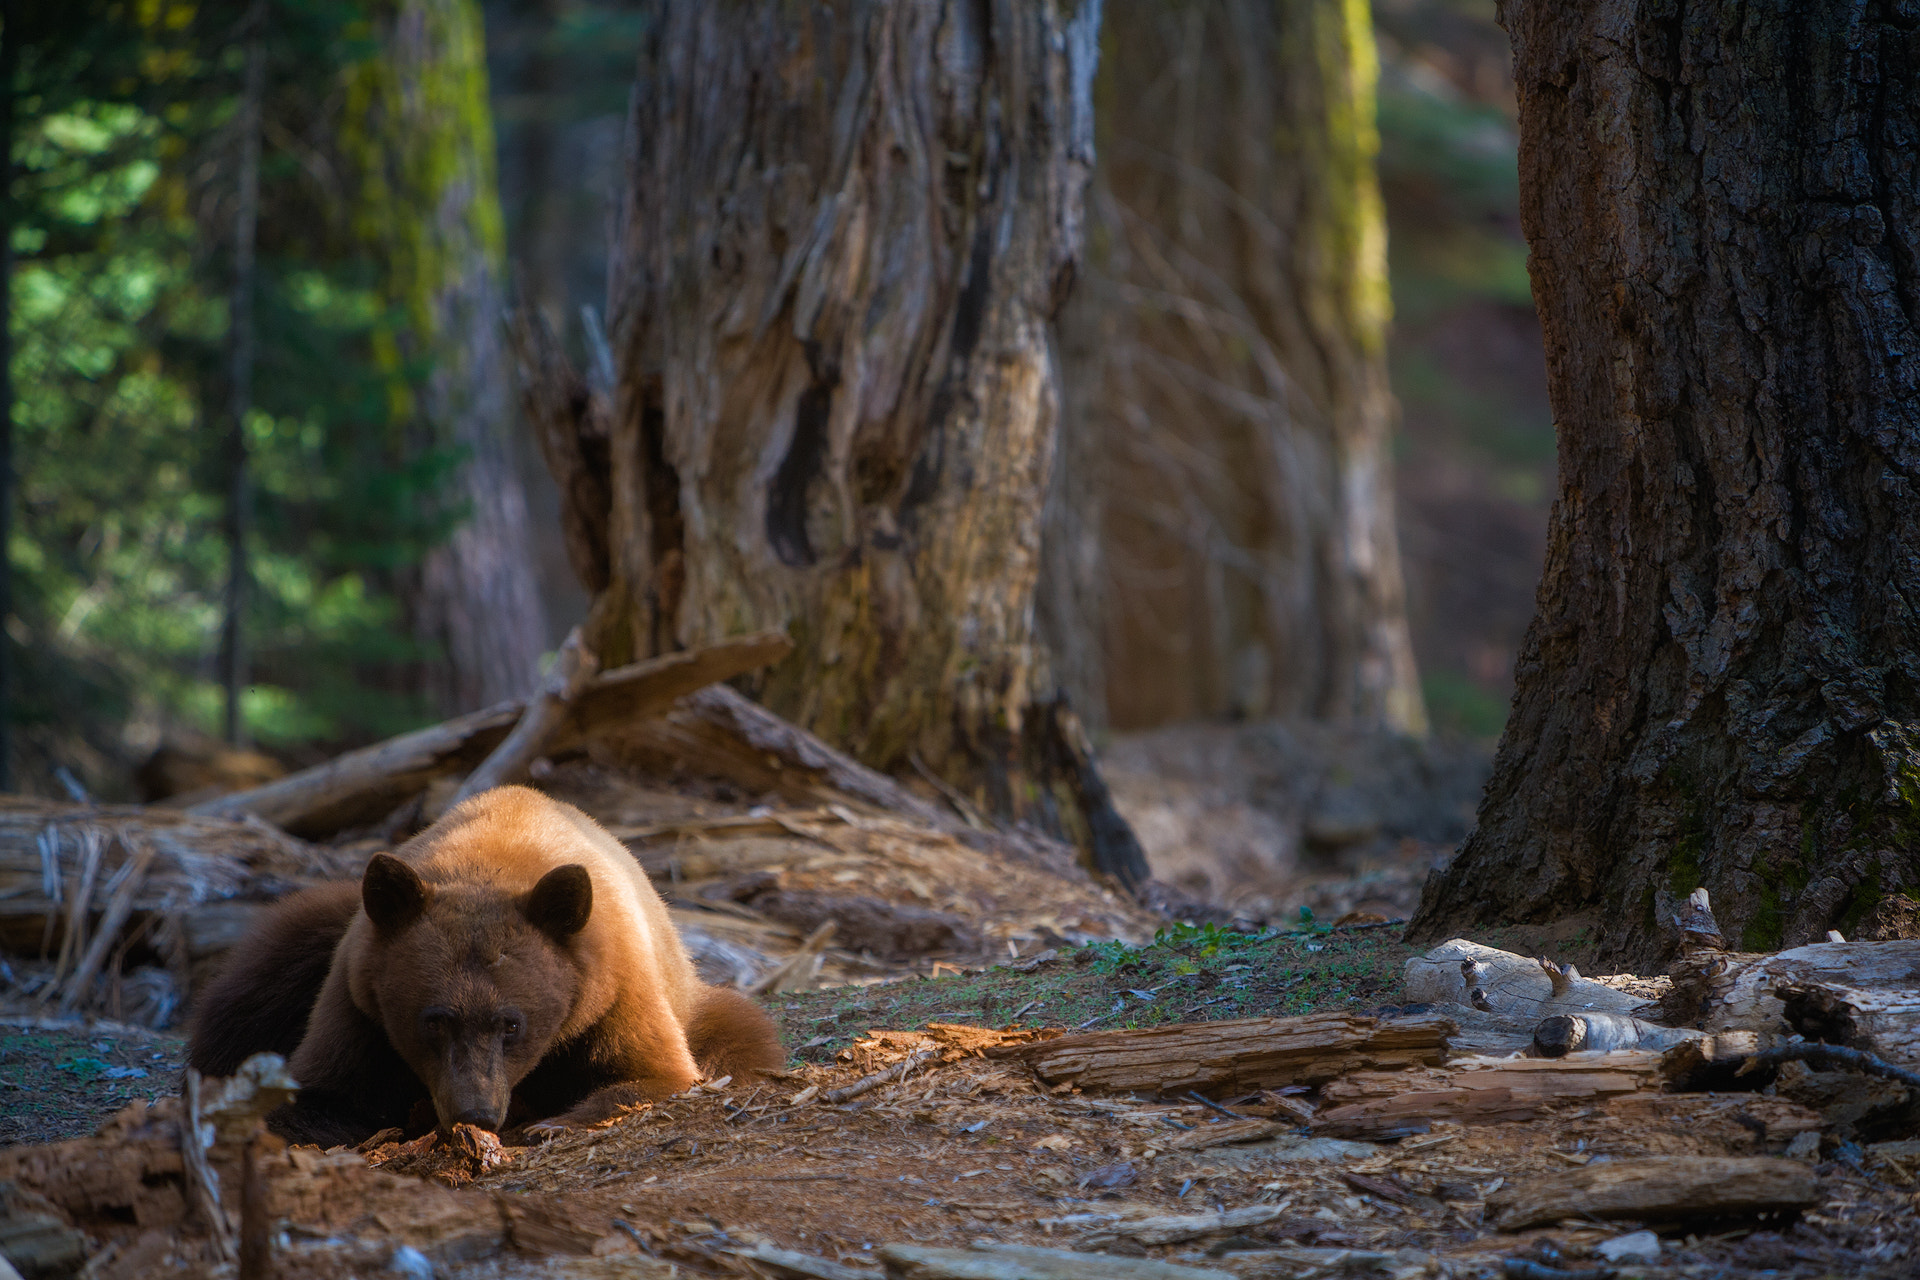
[472, 982]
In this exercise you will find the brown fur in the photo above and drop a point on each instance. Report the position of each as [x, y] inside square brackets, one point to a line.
[511, 963]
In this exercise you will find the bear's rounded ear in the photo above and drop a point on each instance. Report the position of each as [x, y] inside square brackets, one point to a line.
[393, 893]
[560, 904]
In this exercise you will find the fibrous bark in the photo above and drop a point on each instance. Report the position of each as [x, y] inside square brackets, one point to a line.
[1224, 538]
[1721, 685]
[834, 397]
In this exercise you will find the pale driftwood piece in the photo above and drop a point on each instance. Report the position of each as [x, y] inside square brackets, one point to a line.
[1862, 995]
[987, 1261]
[1657, 1189]
[788, 1262]
[1566, 1033]
[125, 887]
[206, 874]
[364, 786]
[1219, 1135]
[1174, 1228]
[1859, 995]
[573, 667]
[1244, 1054]
[1373, 1104]
[93, 843]
[203, 1184]
[1514, 986]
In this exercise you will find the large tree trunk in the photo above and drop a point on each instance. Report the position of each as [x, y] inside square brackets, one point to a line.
[418, 133]
[1722, 681]
[1227, 368]
[847, 232]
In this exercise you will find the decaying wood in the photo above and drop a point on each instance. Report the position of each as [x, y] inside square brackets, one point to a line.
[1566, 1033]
[365, 786]
[1863, 995]
[573, 667]
[1375, 1104]
[1175, 1228]
[203, 1183]
[131, 1178]
[1244, 1054]
[1513, 986]
[986, 1261]
[123, 888]
[1657, 1189]
[80, 880]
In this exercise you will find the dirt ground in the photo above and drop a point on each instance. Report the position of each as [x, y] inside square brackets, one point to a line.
[978, 1149]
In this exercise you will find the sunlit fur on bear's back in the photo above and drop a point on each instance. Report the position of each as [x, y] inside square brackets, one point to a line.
[511, 836]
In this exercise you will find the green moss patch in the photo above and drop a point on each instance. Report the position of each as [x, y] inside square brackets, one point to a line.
[1186, 975]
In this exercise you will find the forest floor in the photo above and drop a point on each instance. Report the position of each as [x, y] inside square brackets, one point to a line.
[954, 948]
[968, 1152]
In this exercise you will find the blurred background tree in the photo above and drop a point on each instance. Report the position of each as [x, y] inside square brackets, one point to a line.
[126, 156]
[371, 296]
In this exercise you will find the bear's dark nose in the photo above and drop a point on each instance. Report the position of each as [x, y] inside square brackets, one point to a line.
[478, 1117]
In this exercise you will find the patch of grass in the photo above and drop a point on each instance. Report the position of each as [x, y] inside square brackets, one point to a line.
[1187, 974]
[60, 1083]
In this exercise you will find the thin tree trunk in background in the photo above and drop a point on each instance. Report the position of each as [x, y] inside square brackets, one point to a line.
[1231, 548]
[1721, 686]
[847, 232]
[233, 658]
[418, 132]
[9, 76]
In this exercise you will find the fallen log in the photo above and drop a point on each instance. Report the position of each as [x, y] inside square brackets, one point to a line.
[1375, 1104]
[1860, 995]
[1657, 1189]
[545, 716]
[1235, 1056]
[1509, 986]
[1180, 1227]
[362, 787]
[78, 882]
[987, 1261]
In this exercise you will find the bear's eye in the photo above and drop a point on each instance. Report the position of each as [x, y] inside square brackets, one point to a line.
[436, 1022]
[511, 1025]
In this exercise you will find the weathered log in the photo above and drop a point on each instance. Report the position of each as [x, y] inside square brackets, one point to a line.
[1663, 1188]
[1238, 1055]
[1862, 995]
[987, 1261]
[364, 786]
[197, 864]
[573, 668]
[1512, 986]
[719, 733]
[1371, 1104]
[1566, 1033]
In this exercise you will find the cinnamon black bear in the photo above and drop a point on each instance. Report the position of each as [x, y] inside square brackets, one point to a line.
[511, 963]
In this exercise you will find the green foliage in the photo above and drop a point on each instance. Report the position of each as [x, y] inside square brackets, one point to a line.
[125, 150]
[1458, 704]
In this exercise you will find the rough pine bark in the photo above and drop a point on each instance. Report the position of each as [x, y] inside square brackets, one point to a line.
[418, 138]
[1721, 685]
[847, 231]
[1231, 539]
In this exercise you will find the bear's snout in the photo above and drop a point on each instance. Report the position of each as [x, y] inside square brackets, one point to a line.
[473, 1087]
